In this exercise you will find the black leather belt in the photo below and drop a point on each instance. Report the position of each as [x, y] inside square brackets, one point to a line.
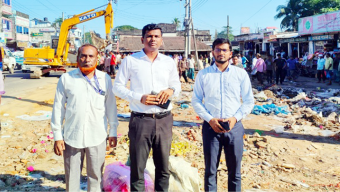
[152, 115]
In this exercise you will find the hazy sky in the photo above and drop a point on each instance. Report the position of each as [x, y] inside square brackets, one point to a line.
[207, 14]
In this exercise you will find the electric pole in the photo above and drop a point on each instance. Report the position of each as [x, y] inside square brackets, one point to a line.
[189, 26]
[185, 23]
[228, 27]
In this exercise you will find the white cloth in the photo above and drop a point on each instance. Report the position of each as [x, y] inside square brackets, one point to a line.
[200, 65]
[254, 62]
[146, 76]
[191, 63]
[86, 112]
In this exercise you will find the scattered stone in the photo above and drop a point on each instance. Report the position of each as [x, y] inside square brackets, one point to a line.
[288, 166]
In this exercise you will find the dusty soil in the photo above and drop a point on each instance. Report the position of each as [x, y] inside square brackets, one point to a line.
[272, 162]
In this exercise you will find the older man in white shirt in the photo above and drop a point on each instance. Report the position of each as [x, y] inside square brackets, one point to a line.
[85, 100]
[153, 80]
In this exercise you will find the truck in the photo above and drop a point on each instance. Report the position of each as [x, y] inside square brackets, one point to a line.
[7, 60]
[54, 57]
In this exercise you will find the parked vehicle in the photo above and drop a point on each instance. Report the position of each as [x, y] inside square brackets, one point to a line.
[7, 60]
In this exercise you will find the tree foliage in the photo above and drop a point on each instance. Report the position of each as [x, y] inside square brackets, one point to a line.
[177, 22]
[223, 33]
[295, 9]
[124, 28]
[57, 22]
[88, 38]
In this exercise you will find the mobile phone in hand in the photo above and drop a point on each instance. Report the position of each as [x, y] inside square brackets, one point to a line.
[225, 125]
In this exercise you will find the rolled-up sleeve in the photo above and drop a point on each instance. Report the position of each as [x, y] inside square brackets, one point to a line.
[58, 112]
[111, 108]
[247, 98]
[174, 80]
[119, 86]
[197, 99]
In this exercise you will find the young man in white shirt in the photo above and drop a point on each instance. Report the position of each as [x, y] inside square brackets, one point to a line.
[221, 87]
[85, 100]
[153, 80]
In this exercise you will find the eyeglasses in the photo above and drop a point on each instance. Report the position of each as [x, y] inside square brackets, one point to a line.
[222, 50]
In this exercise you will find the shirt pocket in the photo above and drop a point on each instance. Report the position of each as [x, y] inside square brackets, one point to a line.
[232, 89]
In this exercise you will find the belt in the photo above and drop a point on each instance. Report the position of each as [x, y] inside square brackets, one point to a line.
[152, 115]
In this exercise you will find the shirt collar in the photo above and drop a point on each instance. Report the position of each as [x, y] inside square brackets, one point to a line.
[217, 70]
[78, 72]
[144, 56]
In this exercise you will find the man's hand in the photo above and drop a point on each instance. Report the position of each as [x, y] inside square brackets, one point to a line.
[215, 125]
[112, 142]
[59, 147]
[232, 121]
[149, 100]
[164, 95]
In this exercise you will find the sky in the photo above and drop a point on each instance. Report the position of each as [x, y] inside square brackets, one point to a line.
[207, 14]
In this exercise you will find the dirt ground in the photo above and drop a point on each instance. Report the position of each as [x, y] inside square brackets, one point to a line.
[272, 161]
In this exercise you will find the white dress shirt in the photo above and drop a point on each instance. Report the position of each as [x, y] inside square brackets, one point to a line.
[85, 111]
[222, 92]
[191, 63]
[146, 76]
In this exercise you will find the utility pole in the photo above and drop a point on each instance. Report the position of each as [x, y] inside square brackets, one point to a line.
[189, 25]
[62, 16]
[83, 34]
[228, 27]
[185, 23]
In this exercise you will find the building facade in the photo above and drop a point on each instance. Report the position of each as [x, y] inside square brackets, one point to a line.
[41, 32]
[7, 27]
[21, 34]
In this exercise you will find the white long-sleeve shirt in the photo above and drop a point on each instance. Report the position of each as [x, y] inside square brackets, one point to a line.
[222, 92]
[85, 111]
[146, 76]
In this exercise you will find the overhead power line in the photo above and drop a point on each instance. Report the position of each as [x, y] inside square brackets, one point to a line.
[256, 12]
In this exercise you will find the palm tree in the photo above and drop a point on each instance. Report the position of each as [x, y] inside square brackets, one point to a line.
[177, 22]
[290, 14]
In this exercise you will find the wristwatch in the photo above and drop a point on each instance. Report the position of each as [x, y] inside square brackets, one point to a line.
[173, 89]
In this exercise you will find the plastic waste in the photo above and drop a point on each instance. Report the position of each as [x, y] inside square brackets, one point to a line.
[184, 106]
[270, 108]
[124, 115]
[117, 178]
[46, 115]
[261, 96]
[327, 133]
[279, 129]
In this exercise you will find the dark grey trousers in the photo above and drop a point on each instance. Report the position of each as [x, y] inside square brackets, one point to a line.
[147, 133]
[232, 143]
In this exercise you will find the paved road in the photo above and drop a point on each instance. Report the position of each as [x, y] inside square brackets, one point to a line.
[18, 84]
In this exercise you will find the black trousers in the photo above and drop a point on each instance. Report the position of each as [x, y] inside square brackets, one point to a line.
[269, 76]
[147, 133]
[213, 142]
[280, 76]
[184, 74]
[321, 75]
[112, 70]
[259, 76]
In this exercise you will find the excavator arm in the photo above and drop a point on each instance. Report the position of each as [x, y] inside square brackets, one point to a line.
[46, 56]
[81, 18]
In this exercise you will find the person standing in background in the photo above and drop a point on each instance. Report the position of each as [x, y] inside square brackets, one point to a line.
[280, 67]
[182, 68]
[329, 68]
[2, 89]
[191, 71]
[107, 63]
[321, 68]
[244, 61]
[200, 63]
[335, 68]
[112, 65]
[260, 68]
[102, 61]
[269, 71]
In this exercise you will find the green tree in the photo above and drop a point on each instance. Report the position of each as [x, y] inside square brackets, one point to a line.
[124, 28]
[177, 22]
[223, 33]
[57, 20]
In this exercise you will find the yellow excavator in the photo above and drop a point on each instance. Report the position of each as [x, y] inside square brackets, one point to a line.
[56, 60]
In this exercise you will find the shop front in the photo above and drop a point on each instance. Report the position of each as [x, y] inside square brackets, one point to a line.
[323, 43]
[296, 47]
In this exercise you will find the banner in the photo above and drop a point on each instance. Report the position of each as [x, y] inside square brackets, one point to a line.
[245, 30]
[324, 23]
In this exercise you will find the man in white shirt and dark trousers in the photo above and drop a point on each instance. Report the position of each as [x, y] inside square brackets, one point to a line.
[221, 86]
[85, 100]
[153, 80]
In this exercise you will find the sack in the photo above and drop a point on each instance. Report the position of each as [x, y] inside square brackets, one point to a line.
[254, 71]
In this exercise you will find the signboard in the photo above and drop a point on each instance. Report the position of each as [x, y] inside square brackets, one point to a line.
[22, 44]
[267, 34]
[36, 34]
[255, 36]
[241, 38]
[293, 40]
[86, 17]
[321, 38]
[47, 30]
[323, 23]
[245, 30]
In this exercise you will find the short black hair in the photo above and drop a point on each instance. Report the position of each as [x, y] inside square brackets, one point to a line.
[150, 27]
[219, 41]
[235, 55]
[279, 54]
[328, 54]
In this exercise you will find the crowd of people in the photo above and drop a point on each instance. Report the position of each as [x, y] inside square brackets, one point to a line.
[109, 62]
